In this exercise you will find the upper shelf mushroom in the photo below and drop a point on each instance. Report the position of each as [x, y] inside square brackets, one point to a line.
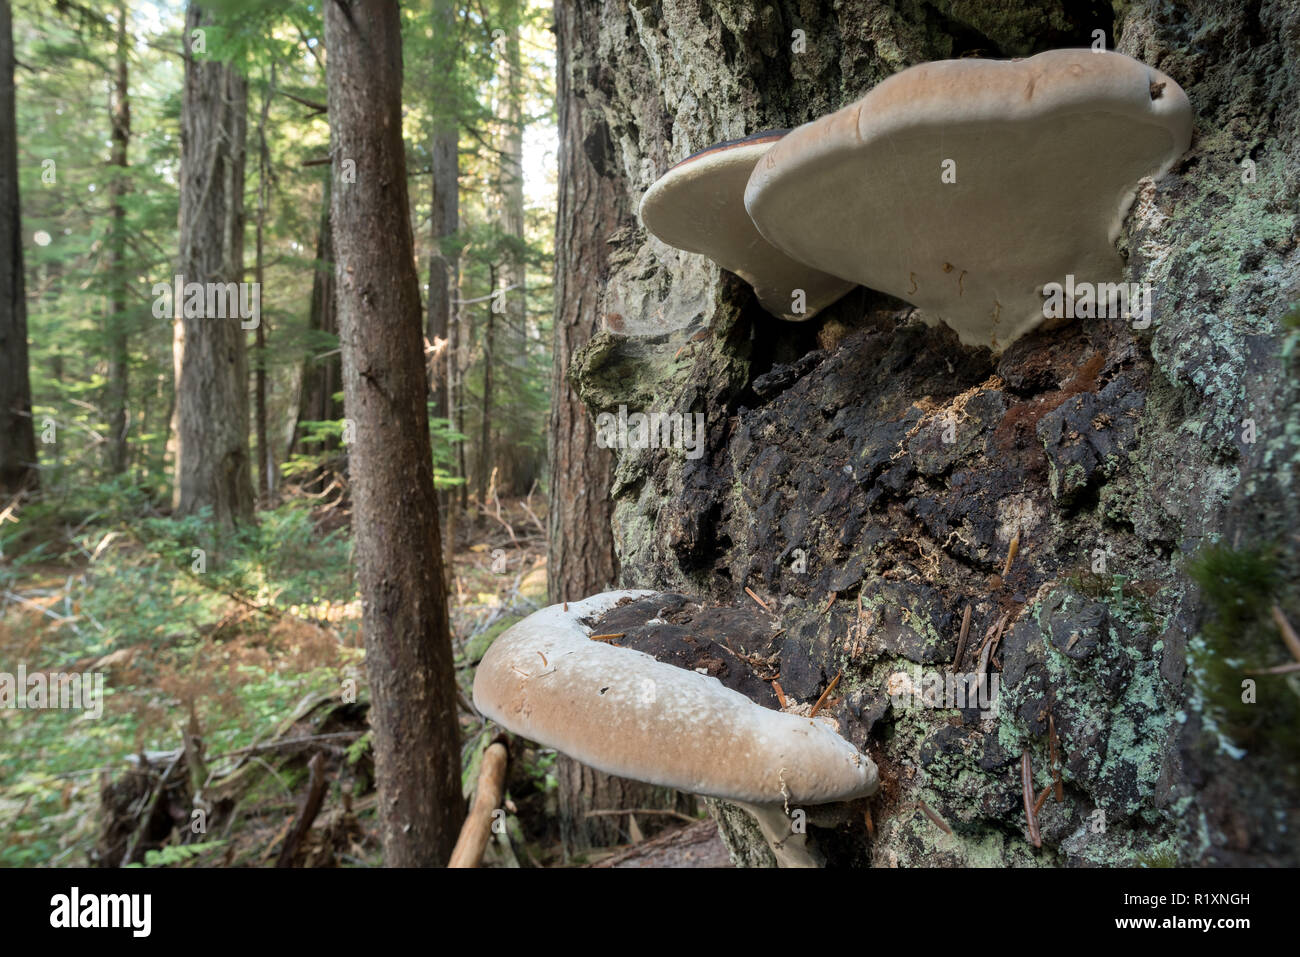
[966, 186]
[622, 712]
[699, 206]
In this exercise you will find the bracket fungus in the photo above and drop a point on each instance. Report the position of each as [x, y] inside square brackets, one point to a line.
[699, 206]
[967, 186]
[623, 712]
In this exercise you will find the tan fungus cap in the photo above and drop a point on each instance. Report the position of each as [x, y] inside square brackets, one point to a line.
[699, 206]
[1046, 153]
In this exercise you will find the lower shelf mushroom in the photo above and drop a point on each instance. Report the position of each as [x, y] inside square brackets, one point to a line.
[622, 712]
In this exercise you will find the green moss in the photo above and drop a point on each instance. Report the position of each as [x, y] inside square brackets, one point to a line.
[1237, 640]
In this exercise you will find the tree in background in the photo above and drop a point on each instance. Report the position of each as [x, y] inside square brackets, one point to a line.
[119, 373]
[444, 216]
[580, 557]
[17, 434]
[395, 509]
[211, 419]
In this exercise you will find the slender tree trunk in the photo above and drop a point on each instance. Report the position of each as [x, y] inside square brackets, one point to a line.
[265, 457]
[17, 434]
[395, 510]
[515, 472]
[444, 222]
[456, 349]
[445, 213]
[212, 457]
[580, 551]
[118, 331]
[485, 413]
[322, 375]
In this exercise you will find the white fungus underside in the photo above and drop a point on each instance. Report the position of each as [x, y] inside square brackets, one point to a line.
[622, 712]
[1043, 178]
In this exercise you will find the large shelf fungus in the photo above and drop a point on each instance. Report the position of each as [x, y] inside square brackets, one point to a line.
[625, 713]
[966, 187]
[699, 206]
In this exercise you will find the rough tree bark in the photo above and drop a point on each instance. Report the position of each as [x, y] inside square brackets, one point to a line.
[119, 367]
[395, 510]
[580, 552]
[211, 417]
[825, 437]
[17, 431]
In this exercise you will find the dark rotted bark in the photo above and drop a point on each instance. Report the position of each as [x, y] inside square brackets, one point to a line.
[212, 463]
[828, 481]
[17, 432]
[395, 510]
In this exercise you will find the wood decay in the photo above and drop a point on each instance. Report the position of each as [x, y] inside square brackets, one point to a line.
[488, 794]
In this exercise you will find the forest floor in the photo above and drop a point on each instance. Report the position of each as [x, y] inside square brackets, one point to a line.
[249, 649]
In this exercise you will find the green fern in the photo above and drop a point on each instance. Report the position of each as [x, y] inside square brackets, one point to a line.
[176, 854]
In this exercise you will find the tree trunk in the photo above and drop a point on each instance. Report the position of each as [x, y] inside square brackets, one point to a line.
[457, 356]
[322, 375]
[580, 551]
[265, 456]
[395, 510]
[212, 457]
[515, 471]
[824, 484]
[17, 434]
[118, 328]
[481, 479]
[445, 212]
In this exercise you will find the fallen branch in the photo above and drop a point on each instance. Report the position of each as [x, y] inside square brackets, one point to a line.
[477, 829]
[1289, 637]
[311, 804]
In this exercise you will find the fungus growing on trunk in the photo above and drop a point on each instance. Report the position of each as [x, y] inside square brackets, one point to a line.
[699, 206]
[966, 186]
[622, 712]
